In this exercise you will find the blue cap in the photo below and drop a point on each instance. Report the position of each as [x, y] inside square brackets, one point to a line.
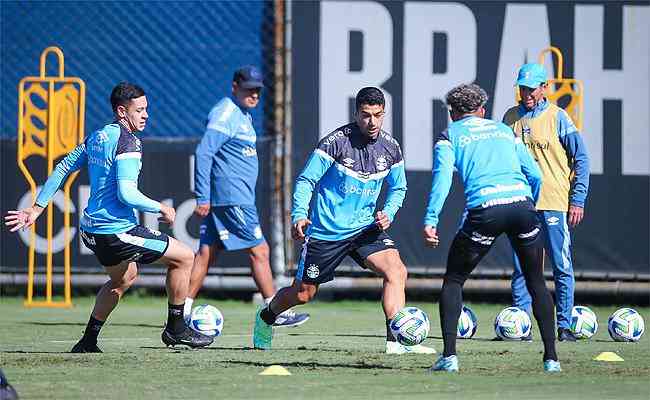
[531, 75]
[248, 77]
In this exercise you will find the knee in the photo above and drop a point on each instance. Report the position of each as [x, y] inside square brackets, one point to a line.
[119, 287]
[260, 253]
[397, 274]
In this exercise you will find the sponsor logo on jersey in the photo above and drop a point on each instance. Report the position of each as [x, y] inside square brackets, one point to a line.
[249, 151]
[498, 188]
[381, 163]
[354, 189]
[464, 140]
[102, 137]
[313, 271]
[348, 162]
[334, 136]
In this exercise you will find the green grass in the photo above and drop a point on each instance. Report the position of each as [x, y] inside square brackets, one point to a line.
[337, 355]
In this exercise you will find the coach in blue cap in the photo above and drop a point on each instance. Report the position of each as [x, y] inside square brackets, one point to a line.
[225, 176]
[554, 141]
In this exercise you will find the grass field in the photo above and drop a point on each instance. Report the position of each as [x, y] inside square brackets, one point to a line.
[336, 355]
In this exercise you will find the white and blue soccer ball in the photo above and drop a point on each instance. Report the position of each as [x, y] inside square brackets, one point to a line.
[584, 323]
[512, 323]
[467, 323]
[207, 320]
[410, 326]
[626, 325]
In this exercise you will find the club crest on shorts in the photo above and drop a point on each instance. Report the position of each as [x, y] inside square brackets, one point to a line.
[313, 271]
[388, 242]
[154, 232]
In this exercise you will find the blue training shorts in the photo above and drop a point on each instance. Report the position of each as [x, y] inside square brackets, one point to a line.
[232, 227]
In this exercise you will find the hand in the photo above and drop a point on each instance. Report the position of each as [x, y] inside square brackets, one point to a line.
[22, 219]
[575, 215]
[202, 210]
[431, 236]
[298, 229]
[168, 214]
[382, 220]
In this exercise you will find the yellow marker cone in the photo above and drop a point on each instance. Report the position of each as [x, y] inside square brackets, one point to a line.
[275, 370]
[608, 356]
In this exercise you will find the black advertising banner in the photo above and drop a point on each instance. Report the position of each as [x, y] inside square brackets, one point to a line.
[417, 50]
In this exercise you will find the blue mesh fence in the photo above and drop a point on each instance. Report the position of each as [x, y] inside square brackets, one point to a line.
[182, 53]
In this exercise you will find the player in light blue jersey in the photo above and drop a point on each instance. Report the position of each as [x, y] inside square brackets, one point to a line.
[109, 226]
[349, 166]
[225, 176]
[500, 180]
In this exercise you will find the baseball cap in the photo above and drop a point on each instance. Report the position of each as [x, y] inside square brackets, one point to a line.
[531, 75]
[248, 77]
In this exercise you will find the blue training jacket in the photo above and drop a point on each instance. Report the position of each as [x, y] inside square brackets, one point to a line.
[226, 165]
[349, 169]
[494, 165]
[113, 157]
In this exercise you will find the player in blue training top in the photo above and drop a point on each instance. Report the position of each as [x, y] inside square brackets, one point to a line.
[109, 226]
[225, 176]
[500, 180]
[349, 166]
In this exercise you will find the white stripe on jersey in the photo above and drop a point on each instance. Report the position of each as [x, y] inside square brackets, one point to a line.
[358, 175]
[324, 155]
[133, 154]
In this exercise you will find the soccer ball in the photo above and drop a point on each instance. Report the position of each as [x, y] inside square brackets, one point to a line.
[584, 323]
[410, 326]
[626, 325]
[467, 323]
[207, 320]
[512, 323]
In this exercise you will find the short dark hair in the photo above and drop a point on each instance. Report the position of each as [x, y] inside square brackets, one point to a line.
[371, 96]
[123, 93]
[466, 98]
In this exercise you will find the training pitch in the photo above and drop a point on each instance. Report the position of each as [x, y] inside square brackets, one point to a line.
[338, 354]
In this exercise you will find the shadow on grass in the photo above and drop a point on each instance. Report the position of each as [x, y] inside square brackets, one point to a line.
[83, 324]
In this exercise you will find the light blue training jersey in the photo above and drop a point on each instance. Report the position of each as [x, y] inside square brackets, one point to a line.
[113, 157]
[494, 165]
[349, 170]
[226, 164]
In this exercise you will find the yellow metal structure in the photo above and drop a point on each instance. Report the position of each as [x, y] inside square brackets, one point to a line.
[568, 93]
[50, 125]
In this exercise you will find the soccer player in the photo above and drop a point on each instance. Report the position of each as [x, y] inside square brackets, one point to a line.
[349, 166]
[225, 176]
[554, 141]
[109, 226]
[500, 179]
